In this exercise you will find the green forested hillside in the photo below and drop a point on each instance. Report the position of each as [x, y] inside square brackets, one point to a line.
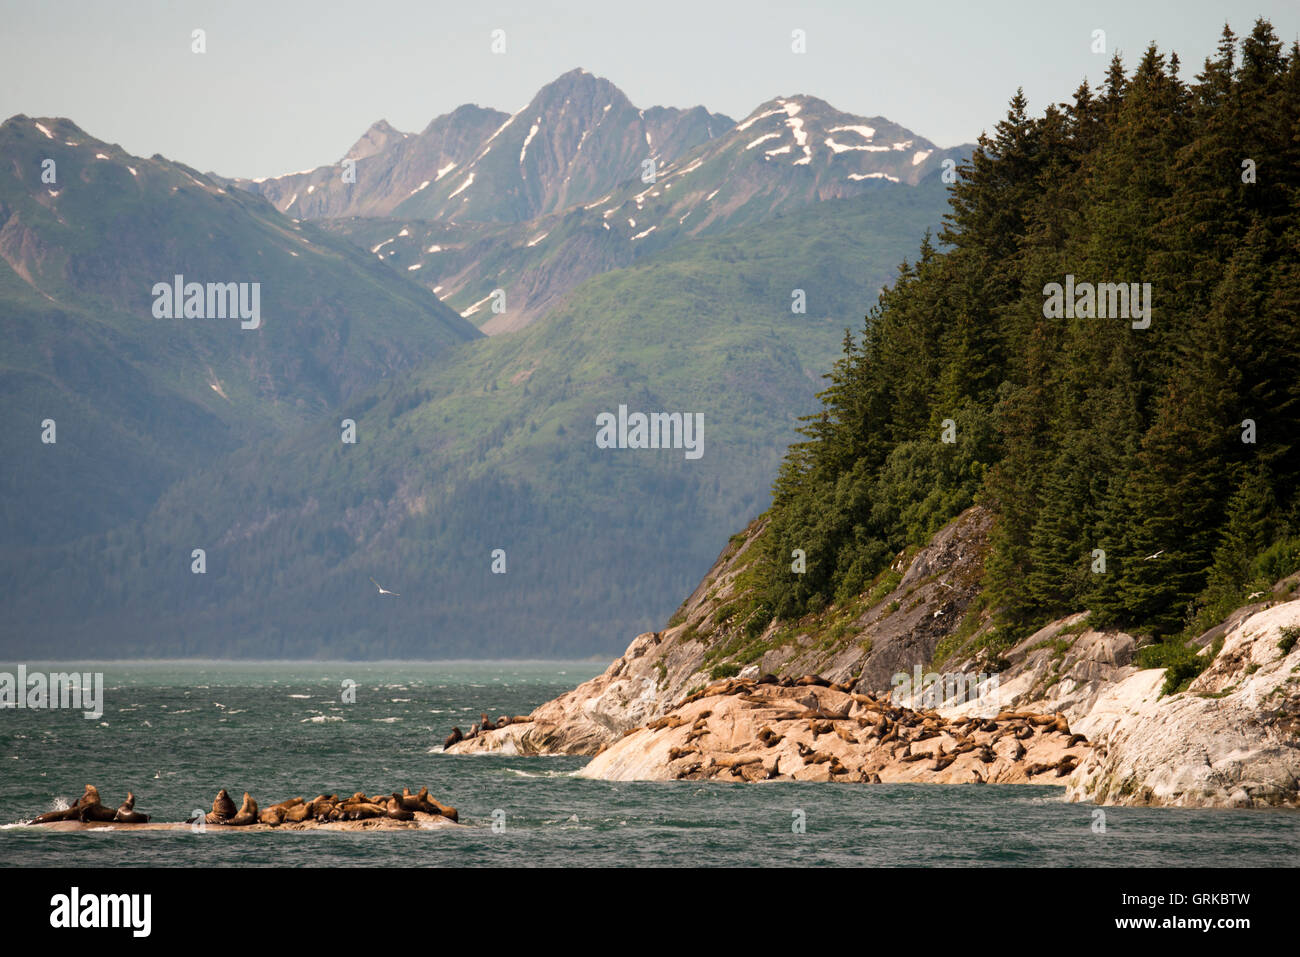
[139, 401]
[1174, 449]
[493, 446]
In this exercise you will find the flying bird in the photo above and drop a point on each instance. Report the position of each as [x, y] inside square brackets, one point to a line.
[384, 592]
[1253, 595]
[1156, 555]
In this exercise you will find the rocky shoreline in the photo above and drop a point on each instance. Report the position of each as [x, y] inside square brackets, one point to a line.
[807, 730]
[1230, 739]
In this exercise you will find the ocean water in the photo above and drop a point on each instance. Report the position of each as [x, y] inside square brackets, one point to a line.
[175, 732]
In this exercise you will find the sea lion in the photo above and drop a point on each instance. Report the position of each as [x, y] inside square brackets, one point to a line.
[273, 816]
[126, 814]
[942, 761]
[297, 814]
[396, 811]
[430, 806]
[92, 809]
[362, 810]
[809, 680]
[70, 813]
[246, 815]
[223, 809]
[485, 723]
[456, 735]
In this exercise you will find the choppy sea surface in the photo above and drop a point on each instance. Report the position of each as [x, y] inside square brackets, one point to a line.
[175, 732]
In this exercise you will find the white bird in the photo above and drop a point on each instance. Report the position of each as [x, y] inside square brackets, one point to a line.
[1253, 595]
[1156, 555]
[384, 591]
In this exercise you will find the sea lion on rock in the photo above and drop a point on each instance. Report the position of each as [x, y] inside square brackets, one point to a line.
[126, 814]
[273, 816]
[223, 809]
[485, 724]
[92, 809]
[455, 736]
[297, 814]
[246, 815]
[396, 811]
[70, 813]
[942, 761]
[809, 680]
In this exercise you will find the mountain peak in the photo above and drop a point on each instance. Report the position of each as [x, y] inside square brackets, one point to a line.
[379, 137]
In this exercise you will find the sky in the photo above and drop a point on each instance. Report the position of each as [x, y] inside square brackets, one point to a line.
[286, 86]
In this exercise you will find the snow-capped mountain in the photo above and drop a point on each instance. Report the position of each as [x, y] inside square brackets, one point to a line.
[578, 138]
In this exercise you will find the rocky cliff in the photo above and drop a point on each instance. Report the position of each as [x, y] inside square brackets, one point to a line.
[1067, 705]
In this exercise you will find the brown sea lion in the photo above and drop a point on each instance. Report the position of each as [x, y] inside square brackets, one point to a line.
[297, 814]
[436, 807]
[817, 680]
[273, 816]
[485, 723]
[247, 814]
[429, 806]
[223, 809]
[396, 811]
[942, 761]
[70, 813]
[456, 735]
[92, 809]
[126, 814]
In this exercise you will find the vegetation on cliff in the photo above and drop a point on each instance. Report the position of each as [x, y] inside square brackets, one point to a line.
[1142, 467]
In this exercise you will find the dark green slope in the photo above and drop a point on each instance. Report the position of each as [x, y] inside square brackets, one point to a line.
[138, 401]
[495, 448]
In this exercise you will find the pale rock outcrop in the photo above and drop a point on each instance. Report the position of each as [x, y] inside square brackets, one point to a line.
[741, 730]
[1232, 739]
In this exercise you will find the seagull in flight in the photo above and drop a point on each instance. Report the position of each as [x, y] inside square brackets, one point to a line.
[384, 592]
[1147, 559]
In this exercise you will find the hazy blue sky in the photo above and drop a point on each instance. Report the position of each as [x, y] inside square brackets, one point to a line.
[290, 85]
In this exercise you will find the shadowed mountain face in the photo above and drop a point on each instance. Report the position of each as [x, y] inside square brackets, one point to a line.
[86, 232]
[493, 447]
[637, 257]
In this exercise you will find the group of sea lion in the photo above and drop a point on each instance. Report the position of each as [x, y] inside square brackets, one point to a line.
[325, 808]
[874, 735]
[88, 807]
[485, 724]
